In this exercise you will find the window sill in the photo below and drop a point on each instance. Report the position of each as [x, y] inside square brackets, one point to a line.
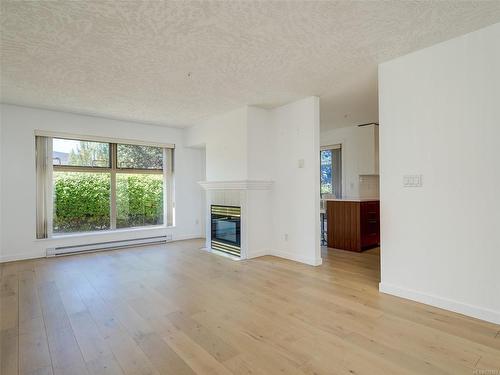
[109, 232]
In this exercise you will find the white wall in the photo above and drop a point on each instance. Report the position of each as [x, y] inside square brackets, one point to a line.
[260, 144]
[225, 141]
[203, 203]
[296, 190]
[440, 117]
[237, 144]
[18, 174]
[1, 183]
[359, 155]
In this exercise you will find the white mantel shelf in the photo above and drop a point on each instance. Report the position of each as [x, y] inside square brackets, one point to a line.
[237, 185]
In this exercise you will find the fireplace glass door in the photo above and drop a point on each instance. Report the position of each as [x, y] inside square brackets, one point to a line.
[226, 229]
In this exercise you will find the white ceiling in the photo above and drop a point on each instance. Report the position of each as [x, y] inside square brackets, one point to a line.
[176, 63]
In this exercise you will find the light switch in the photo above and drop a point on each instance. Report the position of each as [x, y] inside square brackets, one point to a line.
[301, 163]
[412, 180]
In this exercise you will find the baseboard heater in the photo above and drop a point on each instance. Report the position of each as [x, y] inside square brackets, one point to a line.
[109, 245]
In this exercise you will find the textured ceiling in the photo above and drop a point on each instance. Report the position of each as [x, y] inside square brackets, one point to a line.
[176, 63]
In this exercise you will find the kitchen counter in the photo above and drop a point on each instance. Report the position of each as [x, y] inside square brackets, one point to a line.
[353, 224]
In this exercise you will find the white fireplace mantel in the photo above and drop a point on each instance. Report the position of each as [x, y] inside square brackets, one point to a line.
[237, 185]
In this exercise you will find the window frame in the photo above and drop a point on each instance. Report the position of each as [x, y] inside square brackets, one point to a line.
[113, 170]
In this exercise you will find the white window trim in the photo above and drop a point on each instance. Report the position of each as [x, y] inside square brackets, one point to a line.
[331, 147]
[86, 137]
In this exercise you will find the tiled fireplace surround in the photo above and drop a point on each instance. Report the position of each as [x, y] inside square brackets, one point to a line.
[254, 198]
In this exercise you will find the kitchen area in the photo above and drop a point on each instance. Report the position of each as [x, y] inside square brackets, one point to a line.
[350, 207]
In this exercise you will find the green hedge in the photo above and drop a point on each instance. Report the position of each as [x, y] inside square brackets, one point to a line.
[82, 201]
[139, 200]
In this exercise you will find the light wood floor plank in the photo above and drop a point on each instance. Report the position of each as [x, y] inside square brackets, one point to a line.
[9, 354]
[198, 359]
[64, 351]
[129, 355]
[33, 352]
[163, 357]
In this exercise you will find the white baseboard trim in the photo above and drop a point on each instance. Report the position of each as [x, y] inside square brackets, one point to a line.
[21, 256]
[258, 253]
[188, 237]
[443, 303]
[294, 257]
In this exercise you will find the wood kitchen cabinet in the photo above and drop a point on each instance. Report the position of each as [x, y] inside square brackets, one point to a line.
[353, 225]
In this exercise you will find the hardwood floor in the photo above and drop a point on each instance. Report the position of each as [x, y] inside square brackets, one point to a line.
[176, 310]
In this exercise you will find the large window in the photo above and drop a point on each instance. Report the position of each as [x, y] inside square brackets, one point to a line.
[97, 186]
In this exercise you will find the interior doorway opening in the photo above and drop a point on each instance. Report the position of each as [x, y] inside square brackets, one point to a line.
[350, 207]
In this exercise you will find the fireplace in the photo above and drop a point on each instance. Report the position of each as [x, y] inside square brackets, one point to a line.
[225, 231]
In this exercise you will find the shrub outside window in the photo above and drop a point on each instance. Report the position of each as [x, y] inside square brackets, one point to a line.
[82, 201]
[139, 199]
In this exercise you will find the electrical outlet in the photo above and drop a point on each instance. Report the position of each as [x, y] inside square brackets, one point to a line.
[286, 236]
[301, 163]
